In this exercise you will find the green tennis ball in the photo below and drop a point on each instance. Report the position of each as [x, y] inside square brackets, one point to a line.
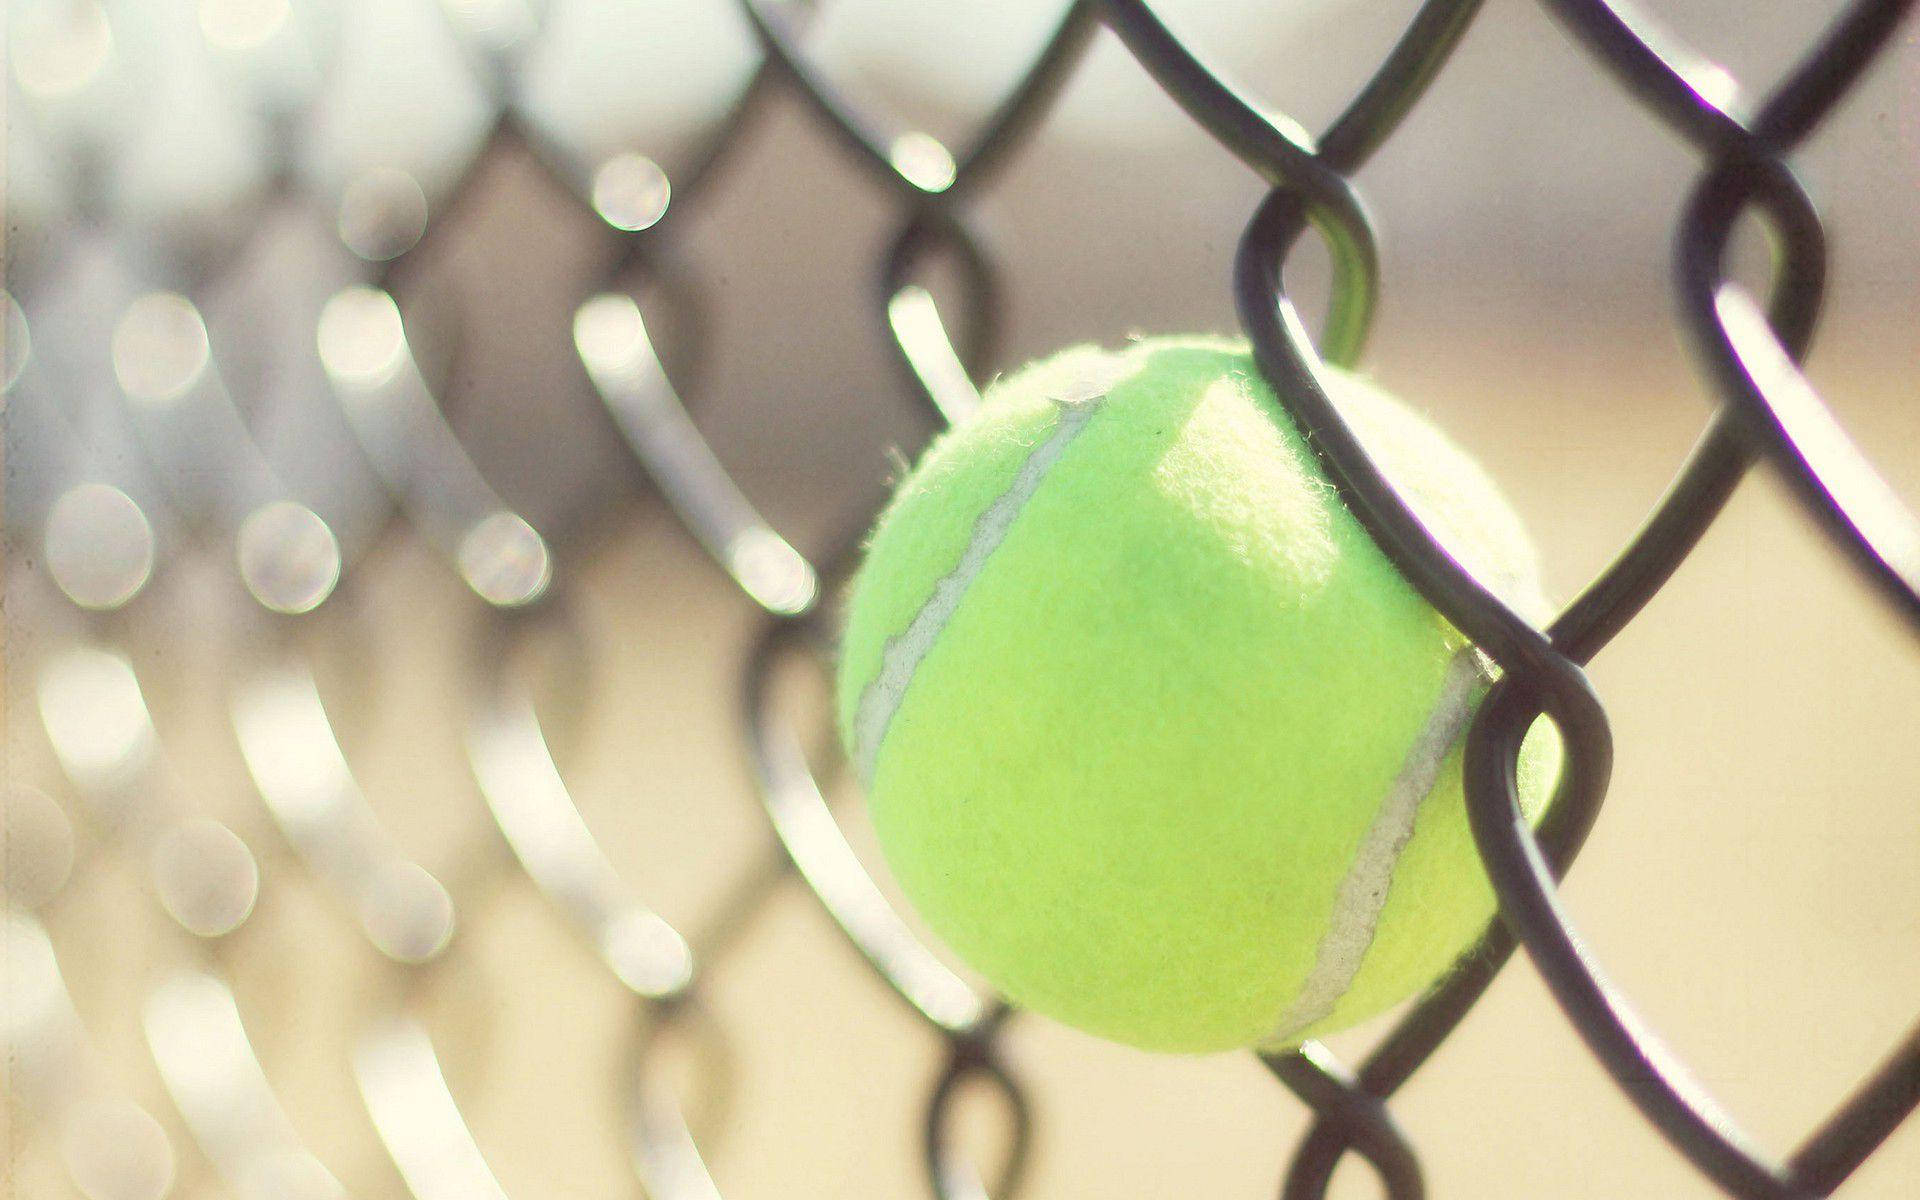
[1153, 734]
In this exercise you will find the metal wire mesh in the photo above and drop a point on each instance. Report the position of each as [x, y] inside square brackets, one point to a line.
[296, 551]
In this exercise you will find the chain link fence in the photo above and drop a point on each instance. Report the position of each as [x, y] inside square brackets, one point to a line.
[129, 453]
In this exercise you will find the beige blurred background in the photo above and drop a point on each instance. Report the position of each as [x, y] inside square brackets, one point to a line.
[1752, 883]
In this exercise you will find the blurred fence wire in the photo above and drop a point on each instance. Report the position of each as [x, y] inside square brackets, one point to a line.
[259, 380]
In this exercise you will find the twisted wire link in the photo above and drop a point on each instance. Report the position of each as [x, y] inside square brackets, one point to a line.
[1542, 675]
[507, 739]
[639, 393]
[364, 341]
[1749, 357]
[1348, 1112]
[303, 777]
[930, 182]
[635, 387]
[203, 875]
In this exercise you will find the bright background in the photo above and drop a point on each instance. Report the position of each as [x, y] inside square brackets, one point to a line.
[1751, 883]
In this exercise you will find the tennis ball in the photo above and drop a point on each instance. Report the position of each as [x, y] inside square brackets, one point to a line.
[1152, 733]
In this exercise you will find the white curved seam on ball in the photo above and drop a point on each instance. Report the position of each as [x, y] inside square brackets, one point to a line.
[1363, 891]
[900, 656]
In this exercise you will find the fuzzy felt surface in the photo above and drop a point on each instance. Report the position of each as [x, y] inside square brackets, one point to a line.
[1126, 778]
